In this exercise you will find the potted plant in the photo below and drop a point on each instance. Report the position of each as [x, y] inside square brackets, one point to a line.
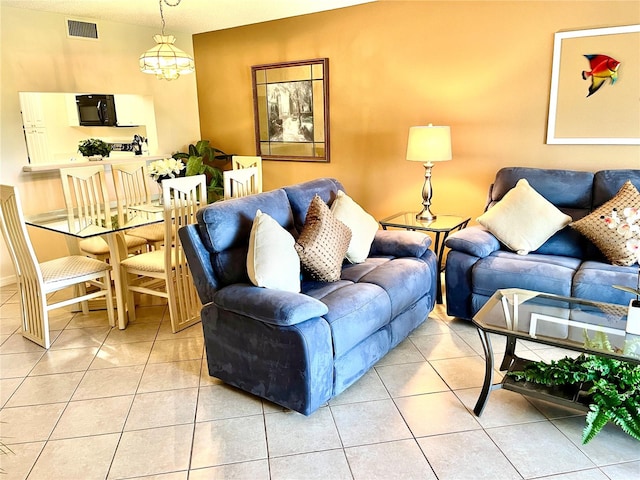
[202, 158]
[94, 148]
[610, 387]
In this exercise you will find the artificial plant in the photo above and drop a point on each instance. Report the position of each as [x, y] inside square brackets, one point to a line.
[613, 386]
[94, 146]
[202, 158]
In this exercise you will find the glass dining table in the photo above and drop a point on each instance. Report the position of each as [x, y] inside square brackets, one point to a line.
[58, 221]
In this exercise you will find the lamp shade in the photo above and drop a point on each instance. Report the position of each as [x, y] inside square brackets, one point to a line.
[165, 60]
[429, 144]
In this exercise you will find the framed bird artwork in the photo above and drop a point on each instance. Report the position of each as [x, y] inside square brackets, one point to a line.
[595, 87]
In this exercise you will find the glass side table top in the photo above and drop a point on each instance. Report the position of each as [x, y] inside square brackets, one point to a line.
[442, 223]
[560, 321]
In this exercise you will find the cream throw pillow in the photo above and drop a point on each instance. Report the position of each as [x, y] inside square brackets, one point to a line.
[523, 220]
[363, 226]
[272, 260]
[613, 226]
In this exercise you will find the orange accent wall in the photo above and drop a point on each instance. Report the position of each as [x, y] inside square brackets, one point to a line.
[482, 67]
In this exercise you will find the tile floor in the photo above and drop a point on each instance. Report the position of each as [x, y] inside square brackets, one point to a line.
[138, 403]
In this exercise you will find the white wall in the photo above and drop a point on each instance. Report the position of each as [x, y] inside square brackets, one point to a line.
[37, 56]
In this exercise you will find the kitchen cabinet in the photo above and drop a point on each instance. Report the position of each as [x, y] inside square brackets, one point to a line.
[37, 144]
[32, 110]
[130, 110]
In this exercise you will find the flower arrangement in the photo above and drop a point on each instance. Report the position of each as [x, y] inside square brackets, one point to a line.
[166, 168]
[628, 227]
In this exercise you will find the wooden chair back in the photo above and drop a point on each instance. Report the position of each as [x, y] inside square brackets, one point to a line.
[181, 198]
[86, 197]
[240, 183]
[242, 161]
[131, 182]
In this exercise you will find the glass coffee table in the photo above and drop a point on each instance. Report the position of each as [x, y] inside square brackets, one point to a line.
[552, 320]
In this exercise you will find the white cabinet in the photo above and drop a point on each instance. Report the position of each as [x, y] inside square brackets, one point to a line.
[130, 110]
[32, 110]
[37, 144]
[35, 132]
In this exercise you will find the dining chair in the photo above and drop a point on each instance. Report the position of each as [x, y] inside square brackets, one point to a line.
[240, 183]
[131, 183]
[37, 280]
[87, 202]
[243, 161]
[165, 273]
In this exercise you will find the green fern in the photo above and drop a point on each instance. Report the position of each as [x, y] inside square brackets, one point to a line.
[614, 388]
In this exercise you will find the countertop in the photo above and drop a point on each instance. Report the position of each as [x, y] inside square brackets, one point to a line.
[52, 167]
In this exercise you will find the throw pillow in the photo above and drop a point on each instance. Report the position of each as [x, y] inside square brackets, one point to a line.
[362, 225]
[612, 227]
[523, 220]
[323, 242]
[272, 260]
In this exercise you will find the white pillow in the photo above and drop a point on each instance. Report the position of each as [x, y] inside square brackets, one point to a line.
[363, 226]
[272, 260]
[523, 220]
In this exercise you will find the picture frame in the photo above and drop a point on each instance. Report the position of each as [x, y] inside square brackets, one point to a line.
[291, 110]
[610, 115]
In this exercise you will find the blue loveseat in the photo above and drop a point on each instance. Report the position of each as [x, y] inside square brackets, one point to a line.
[566, 264]
[301, 349]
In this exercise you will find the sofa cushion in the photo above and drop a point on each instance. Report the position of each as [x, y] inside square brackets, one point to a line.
[323, 242]
[543, 273]
[608, 228]
[362, 225]
[272, 260]
[523, 220]
[595, 280]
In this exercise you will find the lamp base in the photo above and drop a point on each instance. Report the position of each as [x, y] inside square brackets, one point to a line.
[425, 216]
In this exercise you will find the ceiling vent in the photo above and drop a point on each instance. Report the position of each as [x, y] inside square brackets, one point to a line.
[80, 29]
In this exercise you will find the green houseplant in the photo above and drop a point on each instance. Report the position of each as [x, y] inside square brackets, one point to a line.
[611, 387]
[94, 147]
[203, 158]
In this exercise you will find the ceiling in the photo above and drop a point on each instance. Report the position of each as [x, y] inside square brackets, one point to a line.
[190, 16]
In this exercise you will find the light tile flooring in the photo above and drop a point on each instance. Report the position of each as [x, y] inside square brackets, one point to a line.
[138, 403]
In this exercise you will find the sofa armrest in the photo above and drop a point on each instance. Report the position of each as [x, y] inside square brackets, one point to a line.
[475, 240]
[400, 243]
[276, 307]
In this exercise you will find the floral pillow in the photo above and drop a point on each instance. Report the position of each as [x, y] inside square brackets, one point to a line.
[614, 227]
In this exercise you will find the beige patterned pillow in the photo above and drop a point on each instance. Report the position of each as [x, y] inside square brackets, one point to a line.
[323, 242]
[608, 228]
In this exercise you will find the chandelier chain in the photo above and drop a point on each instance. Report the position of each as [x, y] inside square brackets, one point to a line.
[162, 13]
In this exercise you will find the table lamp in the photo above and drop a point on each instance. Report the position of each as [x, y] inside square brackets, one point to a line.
[428, 144]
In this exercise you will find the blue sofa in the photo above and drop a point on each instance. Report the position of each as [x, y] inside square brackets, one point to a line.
[566, 264]
[299, 350]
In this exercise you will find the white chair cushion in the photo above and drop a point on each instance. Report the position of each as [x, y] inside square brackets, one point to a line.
[153, 232]
[99, 246]
[147, 262]
[68, 268]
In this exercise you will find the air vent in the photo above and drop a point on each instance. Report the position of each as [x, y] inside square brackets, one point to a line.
[80, 29]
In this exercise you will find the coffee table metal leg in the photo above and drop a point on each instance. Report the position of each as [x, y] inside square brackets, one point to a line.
[509, 353]
[488, 372]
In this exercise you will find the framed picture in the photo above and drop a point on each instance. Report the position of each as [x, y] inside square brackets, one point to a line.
[291, 109]
[595, 87]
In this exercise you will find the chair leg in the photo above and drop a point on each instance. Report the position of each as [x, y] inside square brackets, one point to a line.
[109, 299]
[81, 290]
[131, 301]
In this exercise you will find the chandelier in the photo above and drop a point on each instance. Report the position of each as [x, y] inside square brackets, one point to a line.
[165, 60]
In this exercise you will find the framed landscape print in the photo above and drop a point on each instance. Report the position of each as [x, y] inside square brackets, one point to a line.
[291, 110]
[595, 87]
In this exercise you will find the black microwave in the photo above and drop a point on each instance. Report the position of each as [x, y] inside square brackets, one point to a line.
[96, 110]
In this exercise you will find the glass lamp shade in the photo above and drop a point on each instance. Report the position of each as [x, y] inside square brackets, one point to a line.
[165, 60]
[429, 144]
